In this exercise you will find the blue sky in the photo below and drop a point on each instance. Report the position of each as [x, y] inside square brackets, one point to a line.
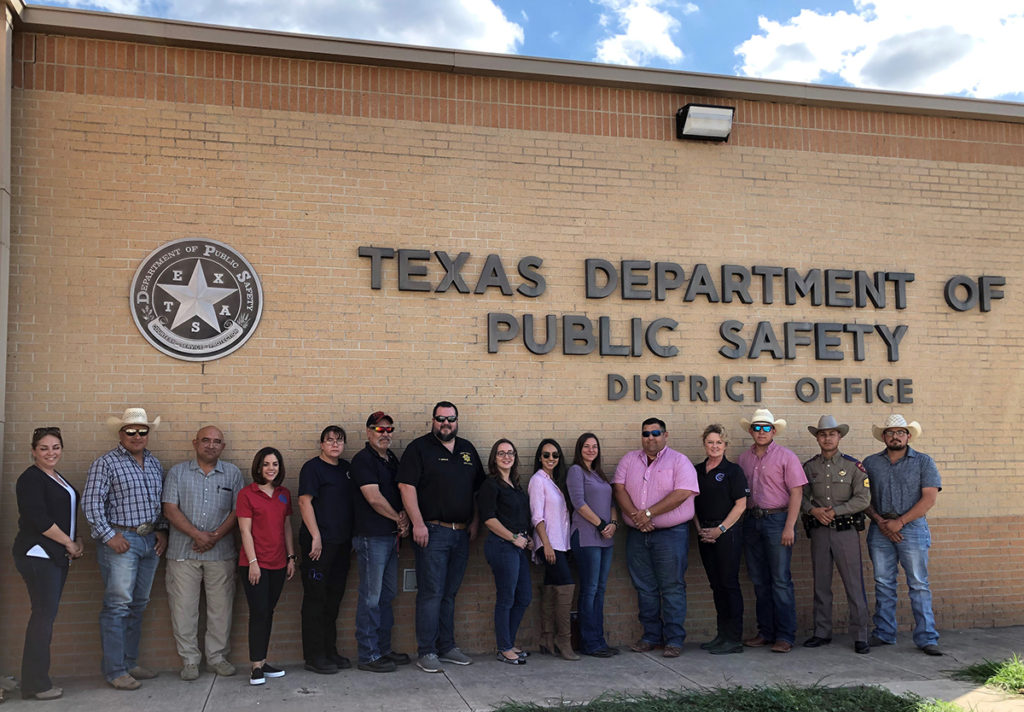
[924, 46]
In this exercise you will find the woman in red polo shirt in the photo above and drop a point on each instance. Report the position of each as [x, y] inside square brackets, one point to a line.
[267, 557]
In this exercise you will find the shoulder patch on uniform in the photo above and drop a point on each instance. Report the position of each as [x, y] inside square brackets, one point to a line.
[867, 483]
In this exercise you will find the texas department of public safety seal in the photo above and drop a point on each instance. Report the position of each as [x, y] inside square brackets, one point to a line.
[196, 299]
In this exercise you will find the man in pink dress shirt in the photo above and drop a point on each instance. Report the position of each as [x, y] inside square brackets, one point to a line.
[654, 488]
[776, 477]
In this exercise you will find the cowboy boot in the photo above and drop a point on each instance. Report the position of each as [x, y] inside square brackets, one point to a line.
[547, 620]
[563, 621]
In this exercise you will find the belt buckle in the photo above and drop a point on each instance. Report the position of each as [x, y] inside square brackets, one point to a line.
[144, 529]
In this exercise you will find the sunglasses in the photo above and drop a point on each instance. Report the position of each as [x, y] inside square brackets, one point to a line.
[132, 432]
[550, 455]
[49, 430]
[652, 433]
[446, 418]
[382, 428]
[761, 428]
[895, 433]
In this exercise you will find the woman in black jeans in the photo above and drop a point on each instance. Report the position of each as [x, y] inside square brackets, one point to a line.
[45, 544]
[719, 508]
[505, 511]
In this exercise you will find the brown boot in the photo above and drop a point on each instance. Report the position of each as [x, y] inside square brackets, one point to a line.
[563, 620]
[547, 620]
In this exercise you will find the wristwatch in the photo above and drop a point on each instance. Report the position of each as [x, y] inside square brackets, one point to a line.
[722, 528]
[648, 513]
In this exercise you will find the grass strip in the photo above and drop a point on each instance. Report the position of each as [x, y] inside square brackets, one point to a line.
[1007, 675]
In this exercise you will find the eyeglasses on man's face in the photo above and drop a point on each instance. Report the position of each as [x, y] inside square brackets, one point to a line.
[761, 428]
[132, 432]
[445, 418]
[382, 428]
[652, 433]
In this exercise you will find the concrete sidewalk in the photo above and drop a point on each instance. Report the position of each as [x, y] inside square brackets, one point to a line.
[547, 680]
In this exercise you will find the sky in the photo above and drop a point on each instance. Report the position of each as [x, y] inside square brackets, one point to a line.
[972, 49]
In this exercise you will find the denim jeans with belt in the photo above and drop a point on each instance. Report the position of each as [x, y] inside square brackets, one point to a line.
[513, 590]
[657, 566]
[768, 563]
[440, 566]
[593, 563]
[377, 558]
[127, 578]
[912, 555]
[45, 582]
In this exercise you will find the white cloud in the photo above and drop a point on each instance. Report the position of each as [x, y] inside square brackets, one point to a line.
[458, 24]
[927, 46]
[645, 30]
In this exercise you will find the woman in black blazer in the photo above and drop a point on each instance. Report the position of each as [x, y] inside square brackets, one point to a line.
[46, 542]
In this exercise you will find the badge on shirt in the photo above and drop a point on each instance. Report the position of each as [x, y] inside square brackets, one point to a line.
[719, 476]
[842, 473]
[466, 458]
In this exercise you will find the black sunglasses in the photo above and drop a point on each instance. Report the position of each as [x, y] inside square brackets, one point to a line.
[132, 432]
[652, 433]
[550, 455]
[444, 418]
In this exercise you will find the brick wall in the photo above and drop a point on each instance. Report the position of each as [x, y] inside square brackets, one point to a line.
[120, 147]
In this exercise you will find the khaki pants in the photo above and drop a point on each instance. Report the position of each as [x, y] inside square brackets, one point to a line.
[184, 580]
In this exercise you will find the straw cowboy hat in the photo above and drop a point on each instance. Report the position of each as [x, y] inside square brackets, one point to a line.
[896, 421]
[763, 415]
[828, 422]
[132, 416]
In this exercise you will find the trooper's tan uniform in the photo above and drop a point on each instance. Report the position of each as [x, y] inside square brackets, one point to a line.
[840, 483]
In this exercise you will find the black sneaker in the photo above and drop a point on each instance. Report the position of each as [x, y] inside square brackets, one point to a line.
[256, 677]
[341, 661]
[397, 658]
[321, 666]
[378, 665]
[271, 671]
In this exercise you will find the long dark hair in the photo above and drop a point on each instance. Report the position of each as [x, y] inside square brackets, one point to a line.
[257, 466]
[577, 458]
[558, 474]
[492, 462]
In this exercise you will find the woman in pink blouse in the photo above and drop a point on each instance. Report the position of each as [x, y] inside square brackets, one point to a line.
[550, 516]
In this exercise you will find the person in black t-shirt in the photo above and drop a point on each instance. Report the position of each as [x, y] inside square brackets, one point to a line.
[325, 540]
[380, 521]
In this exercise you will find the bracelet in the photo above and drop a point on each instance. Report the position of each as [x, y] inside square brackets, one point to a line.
[252, 561]
[615, 522]
[515, 535]
[601, 525]
[292, 557]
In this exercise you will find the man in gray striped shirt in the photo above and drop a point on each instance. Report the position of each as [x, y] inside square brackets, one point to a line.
[199, 502]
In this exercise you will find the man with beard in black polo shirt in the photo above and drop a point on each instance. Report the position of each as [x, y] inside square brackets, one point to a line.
[438, 479]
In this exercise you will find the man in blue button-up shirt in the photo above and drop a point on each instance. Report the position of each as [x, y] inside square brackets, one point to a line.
[904, 486]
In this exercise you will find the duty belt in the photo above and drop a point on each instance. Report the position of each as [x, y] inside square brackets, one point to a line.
[840, 522]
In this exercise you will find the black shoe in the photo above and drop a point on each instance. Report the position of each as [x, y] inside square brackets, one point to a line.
[271, 671]
[727, 647]
[511, 661]
[341, 661]
[379, 665]
[602, 653]
[321, 666]
[875, 640]
[816, 642]
[932, 650]
[397, 658]
[717, 640]
[256, 677]
[861, 646]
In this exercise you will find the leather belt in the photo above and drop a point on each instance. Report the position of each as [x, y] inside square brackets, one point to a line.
[142, 530]
[447, 525]
[758, 513]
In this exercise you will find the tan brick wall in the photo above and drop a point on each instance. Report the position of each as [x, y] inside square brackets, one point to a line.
[119, 148]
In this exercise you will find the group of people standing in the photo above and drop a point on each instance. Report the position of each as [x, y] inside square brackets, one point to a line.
[439, 492]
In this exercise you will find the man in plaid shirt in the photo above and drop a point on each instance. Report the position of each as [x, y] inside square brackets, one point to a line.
[122, 503]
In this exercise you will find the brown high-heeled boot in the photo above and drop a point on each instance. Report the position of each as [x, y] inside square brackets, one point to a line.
[563, 621]
[547, 620]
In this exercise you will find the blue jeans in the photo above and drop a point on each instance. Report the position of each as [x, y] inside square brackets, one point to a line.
[45, 582]
[377, 558]
[513, 590]
[128, 577]
[912, 555]
[768, 564]
[593, 563]
[440, 566]
[657, 565]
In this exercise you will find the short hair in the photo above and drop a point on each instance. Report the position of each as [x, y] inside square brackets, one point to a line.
[336, 429]
[257, 466]
[444, 404]
[652, 421]
[716, 428]
[40, 433]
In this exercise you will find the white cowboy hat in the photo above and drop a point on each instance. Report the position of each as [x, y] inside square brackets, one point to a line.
[132, 416]
[763, 415]
[828, 422]
[896, 421]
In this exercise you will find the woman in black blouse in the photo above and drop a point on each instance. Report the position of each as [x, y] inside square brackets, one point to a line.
[505, 511]
[45, 543]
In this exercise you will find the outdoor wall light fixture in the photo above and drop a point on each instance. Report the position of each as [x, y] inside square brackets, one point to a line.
[703, 121]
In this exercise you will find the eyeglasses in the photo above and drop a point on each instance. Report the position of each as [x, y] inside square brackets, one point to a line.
[48, 430]
[550, 455]
[758, 428]
[446, 418]
[895, 433]
[506, 453]
[382, 428]
[132, 432]
[652, 433]
[334, 441]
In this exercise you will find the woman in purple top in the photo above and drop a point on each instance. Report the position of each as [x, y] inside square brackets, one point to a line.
[594, 523]
[550, 515]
